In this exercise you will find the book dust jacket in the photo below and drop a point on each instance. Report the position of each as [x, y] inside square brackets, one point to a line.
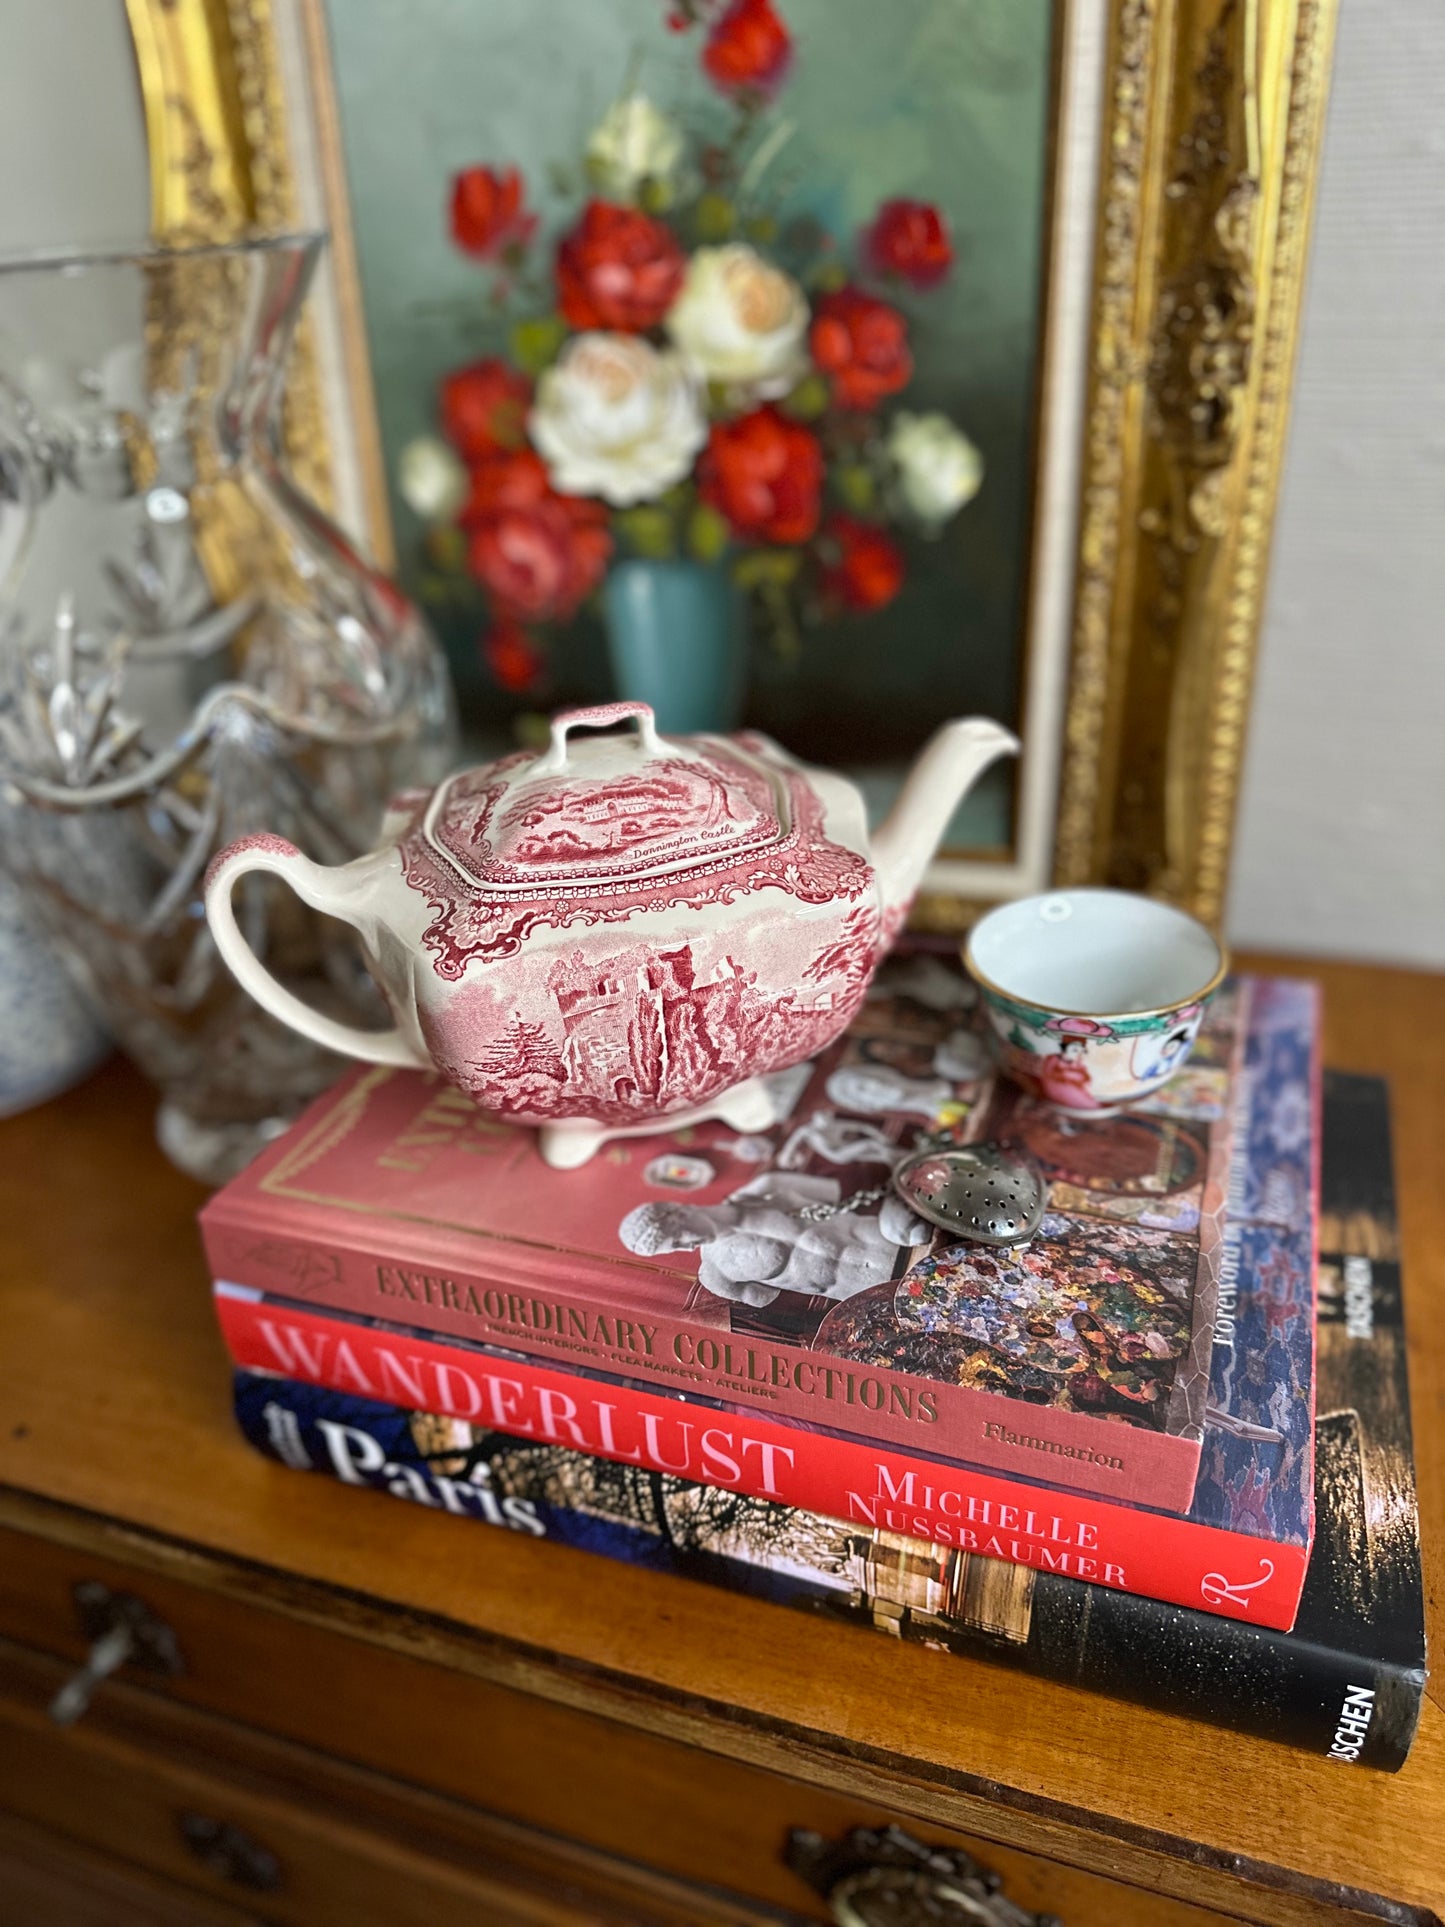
[738, 1268]
[1346, 1682]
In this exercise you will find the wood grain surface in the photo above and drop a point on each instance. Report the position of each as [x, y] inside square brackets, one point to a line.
[115, 1435]
[355, 1850]
[52, 1877]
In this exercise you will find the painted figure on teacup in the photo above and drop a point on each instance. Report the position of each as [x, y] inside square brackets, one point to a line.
[1156, 1055]
[1062, 1076]
[1090, 1064]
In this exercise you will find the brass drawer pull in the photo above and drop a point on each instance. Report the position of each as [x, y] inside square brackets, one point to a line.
[122, 1631]
[885, 1878]
[231, 1854]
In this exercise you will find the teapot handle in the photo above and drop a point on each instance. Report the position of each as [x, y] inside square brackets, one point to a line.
[321, 887]
[602, 716]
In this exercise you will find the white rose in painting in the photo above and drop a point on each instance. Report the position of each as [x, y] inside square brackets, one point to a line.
[740, 320]
[633, 143]
[432, 481]
[615, 418]
[939, 469]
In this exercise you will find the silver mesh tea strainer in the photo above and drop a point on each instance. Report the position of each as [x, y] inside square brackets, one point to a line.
[983, 1193]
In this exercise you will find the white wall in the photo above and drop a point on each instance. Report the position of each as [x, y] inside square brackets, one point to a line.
[72, 137]
[73, 171]
[1341, 841]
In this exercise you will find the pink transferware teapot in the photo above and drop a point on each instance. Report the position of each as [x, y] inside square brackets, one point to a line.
[623, 929]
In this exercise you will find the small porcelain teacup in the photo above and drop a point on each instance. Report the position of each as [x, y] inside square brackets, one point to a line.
[1095, 996]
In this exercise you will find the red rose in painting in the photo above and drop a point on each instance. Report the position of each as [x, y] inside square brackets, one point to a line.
[748, 50]
[764, 475]
[909, 239]
[618, 269]
[508, 479]
[861, 345]
[537, 553]
[487, 211]
[484, 408]
[862, 564]
[512, 656]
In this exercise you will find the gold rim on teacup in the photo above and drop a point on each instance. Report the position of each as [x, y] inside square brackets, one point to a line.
[1097, 1009]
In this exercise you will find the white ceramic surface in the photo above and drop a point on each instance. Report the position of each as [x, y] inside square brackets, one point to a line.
[1097, 952]
[624, 928]
[1095, 996]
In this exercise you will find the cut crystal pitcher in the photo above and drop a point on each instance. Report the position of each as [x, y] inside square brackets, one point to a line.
[190, 651]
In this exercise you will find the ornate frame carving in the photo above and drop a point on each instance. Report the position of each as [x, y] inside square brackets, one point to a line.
[1213, 116]
[220, 163]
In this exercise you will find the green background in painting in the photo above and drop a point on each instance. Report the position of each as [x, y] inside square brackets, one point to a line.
[941, 100]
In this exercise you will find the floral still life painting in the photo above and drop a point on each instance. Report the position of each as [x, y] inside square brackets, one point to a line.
[687, 377]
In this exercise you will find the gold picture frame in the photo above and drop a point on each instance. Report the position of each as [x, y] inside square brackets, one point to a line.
[1212, 117]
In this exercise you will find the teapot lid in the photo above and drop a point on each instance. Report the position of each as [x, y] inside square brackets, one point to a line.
[622, 810]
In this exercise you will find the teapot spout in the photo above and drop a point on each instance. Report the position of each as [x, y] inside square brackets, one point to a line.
[949, 766]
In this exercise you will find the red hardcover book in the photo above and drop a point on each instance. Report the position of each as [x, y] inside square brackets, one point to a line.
[880, 1488]
[1357, 1644]
[737, 1269]
[1241, 1551]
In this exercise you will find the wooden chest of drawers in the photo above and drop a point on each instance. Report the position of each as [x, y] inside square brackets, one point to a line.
[361, 1712]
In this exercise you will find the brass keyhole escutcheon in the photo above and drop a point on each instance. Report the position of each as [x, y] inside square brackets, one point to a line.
[883, 1877]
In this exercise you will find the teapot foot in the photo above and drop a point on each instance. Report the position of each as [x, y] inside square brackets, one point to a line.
[747, 1107]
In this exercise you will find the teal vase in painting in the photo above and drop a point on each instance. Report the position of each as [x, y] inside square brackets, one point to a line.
[677, 636]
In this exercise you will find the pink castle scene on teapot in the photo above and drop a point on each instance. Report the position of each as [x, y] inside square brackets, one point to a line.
[622, 929]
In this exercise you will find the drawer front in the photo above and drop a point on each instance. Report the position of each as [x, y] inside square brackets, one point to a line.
[235, 1815]
[690, 1815]
[47, 1876]
[286, 1835]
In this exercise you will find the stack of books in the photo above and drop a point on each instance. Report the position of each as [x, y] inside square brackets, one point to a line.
[1162, 1450]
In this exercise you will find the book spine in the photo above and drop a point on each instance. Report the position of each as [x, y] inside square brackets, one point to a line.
[1340, 1705]
[867, 1485]
[529, 1313]
[1351, 1707]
